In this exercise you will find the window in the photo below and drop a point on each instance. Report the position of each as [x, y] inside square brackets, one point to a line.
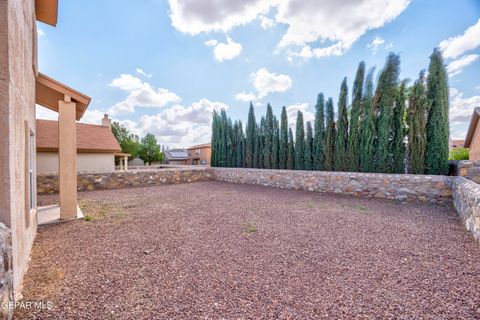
[31, 171]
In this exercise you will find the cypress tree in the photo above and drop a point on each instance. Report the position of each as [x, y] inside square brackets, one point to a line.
[230, 144]
[268, 138]
[239, 146]
[330, 137]
[384, 103]
[261, 144]
[256, 151]
[367, 127]
[436, 156]
[319, 139]
[341, 137]
[417, 121]
[354, 136]
[250, 139]
[291, 151]
[276, 144]
[214, 140]
[308, 160]
[299, 142]
[283, 147]
[222, 158]
[399, 130]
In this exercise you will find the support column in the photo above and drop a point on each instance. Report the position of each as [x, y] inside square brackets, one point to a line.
[67, 158]
[120, 160]
[126, 162]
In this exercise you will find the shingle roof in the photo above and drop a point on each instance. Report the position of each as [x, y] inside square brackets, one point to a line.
[176, 154]
[90, 137]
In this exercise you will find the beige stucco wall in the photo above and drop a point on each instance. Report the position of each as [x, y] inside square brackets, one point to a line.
[475, 144]
[47, 162]
[17, 98]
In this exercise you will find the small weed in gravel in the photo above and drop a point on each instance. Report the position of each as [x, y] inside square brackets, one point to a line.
[310, 205]
[249, 227]
[362, 209]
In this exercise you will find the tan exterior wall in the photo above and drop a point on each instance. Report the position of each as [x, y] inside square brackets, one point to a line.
[47, 162]
[197, 155]
[17, 97]
[475, 144]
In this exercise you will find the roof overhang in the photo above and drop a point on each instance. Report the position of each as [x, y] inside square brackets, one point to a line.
[47, 11]
[472, 127]
[49, 92]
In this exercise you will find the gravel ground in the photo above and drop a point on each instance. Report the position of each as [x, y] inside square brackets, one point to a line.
[214, 250]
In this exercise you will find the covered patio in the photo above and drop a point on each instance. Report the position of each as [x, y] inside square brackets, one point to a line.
[70, 106]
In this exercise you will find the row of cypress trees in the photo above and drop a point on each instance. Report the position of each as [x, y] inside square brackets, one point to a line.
[392, 129]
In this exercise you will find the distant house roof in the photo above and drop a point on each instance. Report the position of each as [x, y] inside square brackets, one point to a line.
[90, 138]
[472, 127]
[200, 146]
[457, 143]
[176, 154]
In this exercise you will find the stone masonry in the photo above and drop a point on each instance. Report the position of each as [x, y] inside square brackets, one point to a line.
[6, 273]
[470, 169]
[466, 200]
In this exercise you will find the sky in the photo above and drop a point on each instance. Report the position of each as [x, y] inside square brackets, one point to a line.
[163, 66]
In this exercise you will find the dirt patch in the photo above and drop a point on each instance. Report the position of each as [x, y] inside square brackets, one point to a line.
[215, 250]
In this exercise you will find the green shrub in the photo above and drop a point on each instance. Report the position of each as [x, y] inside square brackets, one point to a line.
[458, 154]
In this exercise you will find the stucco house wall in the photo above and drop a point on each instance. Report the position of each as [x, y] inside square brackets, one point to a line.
[47, 162]
[475, 144]
[17, 117]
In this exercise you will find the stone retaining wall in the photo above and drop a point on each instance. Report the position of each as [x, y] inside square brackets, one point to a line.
[466, 200]
[469, 169]
[48, 183]
[6, 273]
[390, 186]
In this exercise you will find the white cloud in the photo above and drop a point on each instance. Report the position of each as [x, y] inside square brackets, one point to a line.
[266, 23]
[461, 108]
[456, 66]
[143, 73]
[375, 44]
[307, 21]
[225, 51]
[93, 116]
[292, 111]
[458, 45]
[40, 32]
[266, 82]
[194, 17]
[178, 125]
[140, 94]
[244, 96]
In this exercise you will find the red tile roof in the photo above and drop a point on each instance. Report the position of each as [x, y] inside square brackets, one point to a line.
[200, 146]
[90, 137]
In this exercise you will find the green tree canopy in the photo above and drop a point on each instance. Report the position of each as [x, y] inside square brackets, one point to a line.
[330, 137]
[341, 137]
[319, 139]
[354, 135]
[417, 121]
[128, 141]
[150, 150]
[299, 142]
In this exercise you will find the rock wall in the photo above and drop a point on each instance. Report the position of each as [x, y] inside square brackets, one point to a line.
[6, 273]
[466, 200]
[48, 183]
[389, 186]
[469, 169]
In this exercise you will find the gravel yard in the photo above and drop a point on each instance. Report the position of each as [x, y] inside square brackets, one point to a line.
[214, 250]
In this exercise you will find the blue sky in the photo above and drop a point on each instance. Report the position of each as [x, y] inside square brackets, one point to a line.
[163, 66]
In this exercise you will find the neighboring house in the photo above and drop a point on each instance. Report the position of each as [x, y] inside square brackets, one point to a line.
[21, 87]
[136, 162]
[199, 154]
[96, 147]
[176, 156]
[453, 144]
[472, 141]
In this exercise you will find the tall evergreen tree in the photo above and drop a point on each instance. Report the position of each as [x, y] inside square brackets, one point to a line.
[256, 151]
[283, 147]
[399, 131]
[239, 146]
[354, 135]
[417, 121]
[385, 96]
[341, 137]
[436, 156]
[308, 159]
[261, 143]
[367, 127]
[214, 140]
[250, 140]
[299, 142]
[319, 139]
[330, 137]
[276, 144]
[230, 144]
[268, 138]
[291, 151]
